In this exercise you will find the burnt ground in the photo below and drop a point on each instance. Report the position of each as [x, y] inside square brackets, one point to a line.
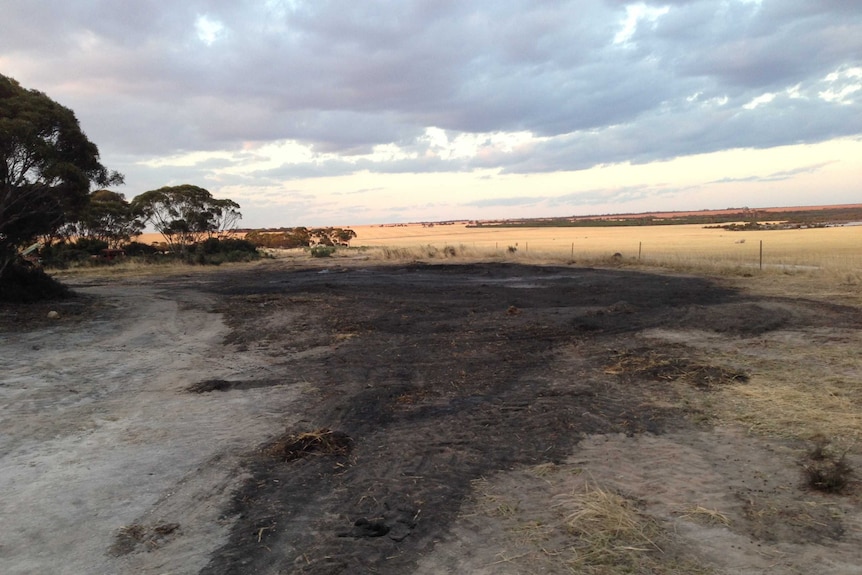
[408, 419]
[440, 376]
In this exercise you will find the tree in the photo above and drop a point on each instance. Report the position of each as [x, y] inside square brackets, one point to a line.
[186, 214]
[46, 170]
[287, 238]
[109, 218]
[332, 236]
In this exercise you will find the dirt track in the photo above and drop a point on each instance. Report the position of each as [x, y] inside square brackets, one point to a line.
[455, 384]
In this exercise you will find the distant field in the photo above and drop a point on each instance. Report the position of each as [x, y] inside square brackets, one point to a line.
[780, 247]
[835, 248]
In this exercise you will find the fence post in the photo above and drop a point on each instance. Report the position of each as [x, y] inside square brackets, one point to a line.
[640, 247]
[761, 254]
[573, 250]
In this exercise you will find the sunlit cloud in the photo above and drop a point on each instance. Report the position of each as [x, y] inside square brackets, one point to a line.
[425, 109]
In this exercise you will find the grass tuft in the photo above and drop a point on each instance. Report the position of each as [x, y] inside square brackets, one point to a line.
[323, 441]
[827, 468]
[609, 529]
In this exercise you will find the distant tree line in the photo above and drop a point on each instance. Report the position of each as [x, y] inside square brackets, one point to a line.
[792, 217]
[286, 238]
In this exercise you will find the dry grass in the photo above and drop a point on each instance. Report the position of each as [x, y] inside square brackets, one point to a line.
[803, 387]
[827, 468]
[678, 246]
[323, 441]
[588, 530]
[608, 524]
[705, 515]
[132, 537]
[614, 537]
[660, 366]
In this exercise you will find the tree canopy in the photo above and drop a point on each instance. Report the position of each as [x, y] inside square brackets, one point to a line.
[47, 167]
[108, 218]
[301, 237]
[186, 214]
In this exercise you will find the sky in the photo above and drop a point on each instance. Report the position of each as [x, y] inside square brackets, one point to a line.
[346, 113]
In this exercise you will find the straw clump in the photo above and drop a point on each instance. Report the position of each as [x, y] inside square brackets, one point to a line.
[323, 441]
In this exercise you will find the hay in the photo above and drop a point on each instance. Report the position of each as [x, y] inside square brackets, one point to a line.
[610, 531]
[323, 441]
[705, 515]
[129, 538]
[657, 366]
[795, 408]
[614, 537]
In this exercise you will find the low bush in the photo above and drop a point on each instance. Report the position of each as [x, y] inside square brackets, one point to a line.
[26, 284]
[135, 249]
[64, 254]
[214, 251]
[321, 251]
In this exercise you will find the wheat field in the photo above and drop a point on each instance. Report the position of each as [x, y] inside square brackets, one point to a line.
[834, 247]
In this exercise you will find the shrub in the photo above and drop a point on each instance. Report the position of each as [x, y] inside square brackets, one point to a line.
[25, 284]
[227, 245]
[61, 255]
[214, 251]
[322, 251]
[139, 249]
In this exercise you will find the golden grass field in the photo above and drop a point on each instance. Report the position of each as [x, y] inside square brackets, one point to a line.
[812, 247]
[836, 247]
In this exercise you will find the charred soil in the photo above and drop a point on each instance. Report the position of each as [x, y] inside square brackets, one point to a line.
[440, 376]
[359, 412]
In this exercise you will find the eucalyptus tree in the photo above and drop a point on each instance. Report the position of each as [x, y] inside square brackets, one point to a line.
[46, 170]
[186, 214]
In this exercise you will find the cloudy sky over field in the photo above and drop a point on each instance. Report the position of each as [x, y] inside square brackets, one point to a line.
[346, 112]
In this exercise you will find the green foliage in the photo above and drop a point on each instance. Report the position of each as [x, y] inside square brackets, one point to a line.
[46, 169]
[63, 254]
[108, 217]
[321, 251]
[225, 245]
[186, 214]
[214, 251]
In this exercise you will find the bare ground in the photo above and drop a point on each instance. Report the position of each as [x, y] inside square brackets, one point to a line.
[182, 425]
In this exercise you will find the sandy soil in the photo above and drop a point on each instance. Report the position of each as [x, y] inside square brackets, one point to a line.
[145, 430]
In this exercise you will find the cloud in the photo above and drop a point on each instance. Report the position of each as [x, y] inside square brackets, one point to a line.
[423, 87]
[506, 201]
[777, 176]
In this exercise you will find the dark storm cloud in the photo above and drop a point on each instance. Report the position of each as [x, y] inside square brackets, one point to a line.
[151, 78]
